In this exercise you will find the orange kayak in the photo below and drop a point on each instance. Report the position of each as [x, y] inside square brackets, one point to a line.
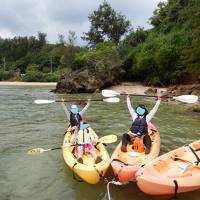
[174, 172]
[126, 164]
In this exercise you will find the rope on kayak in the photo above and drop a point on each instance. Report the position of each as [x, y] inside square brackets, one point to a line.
[175, 191]
[108, 187]
[124, 164]
[197, 157]
[197, 149]
[121, 162]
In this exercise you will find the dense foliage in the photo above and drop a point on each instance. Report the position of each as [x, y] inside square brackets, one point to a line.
[20, 56]
[106, 24]
[168, 53]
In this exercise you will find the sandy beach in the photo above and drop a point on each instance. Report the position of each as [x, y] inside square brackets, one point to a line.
[128, 87]
[133, 87]
[28, 83]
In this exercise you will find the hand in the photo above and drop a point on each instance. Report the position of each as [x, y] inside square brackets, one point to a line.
[94, 142]
[128, 95]
[132, 134]
[159, 94]
[62, 101]
[89, 100]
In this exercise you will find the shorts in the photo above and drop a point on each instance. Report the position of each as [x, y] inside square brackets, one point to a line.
[84, 147]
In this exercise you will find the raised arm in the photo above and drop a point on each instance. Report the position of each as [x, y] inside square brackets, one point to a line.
[154, 109]
[65, 109]
[85, 108]
[130, 108]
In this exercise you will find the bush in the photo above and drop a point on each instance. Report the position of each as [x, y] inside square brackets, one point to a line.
[35, 76]
[51, 77]
[32, 67]
[104, 57]
[6, 75]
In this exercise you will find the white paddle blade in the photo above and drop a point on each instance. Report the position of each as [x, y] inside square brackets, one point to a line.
[112, 100]
[109, 93]
[187, 98]
[40, 101]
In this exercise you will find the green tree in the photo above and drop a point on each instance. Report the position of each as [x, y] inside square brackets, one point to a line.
[106, 24]
[136, 37]
[104, 58]
[71, 38]
[42, 39]
[61, 40]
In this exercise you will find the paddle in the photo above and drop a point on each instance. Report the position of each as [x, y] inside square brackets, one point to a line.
[105, 139]
[108, 139]
[181, 98]
[109, 100]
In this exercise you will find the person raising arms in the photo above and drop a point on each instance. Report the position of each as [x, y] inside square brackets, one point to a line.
[81, 136]
[139, 128]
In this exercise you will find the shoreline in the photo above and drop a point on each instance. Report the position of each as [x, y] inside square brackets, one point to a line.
[18, 83]
[134, 87]
[127, 87]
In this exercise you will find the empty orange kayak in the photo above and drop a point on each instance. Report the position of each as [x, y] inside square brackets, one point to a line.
[174, 172]
[126, 164]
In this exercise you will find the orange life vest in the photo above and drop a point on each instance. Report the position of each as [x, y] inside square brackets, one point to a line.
[138, 144]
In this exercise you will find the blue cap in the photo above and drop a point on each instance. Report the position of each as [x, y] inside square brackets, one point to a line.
[83, 126]
[74, 109]
[140, 111]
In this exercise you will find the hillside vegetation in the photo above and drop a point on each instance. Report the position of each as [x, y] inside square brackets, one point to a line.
[167, 54]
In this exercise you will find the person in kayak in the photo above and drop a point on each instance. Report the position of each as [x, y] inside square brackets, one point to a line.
[74, 116]
[139, 129]
[83, 139]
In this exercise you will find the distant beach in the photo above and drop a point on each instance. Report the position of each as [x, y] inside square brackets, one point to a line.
[9, 83]
[128, 87]
[133, 87]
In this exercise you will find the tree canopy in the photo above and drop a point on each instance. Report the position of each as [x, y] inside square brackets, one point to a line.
[106, 24]
[168, 53]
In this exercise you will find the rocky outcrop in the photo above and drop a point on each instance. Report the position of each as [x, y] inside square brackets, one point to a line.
[88, 80]
[184, 89]
[195, 108]
[151, 91]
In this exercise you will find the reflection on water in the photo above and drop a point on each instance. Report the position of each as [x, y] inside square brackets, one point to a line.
[25, 125]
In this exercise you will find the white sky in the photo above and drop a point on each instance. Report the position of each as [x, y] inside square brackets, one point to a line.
[28, 17]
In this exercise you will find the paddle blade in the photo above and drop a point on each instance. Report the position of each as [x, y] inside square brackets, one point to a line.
[108, 139]
[187, 98]
[112, 100]
[109, 93]
[41, 101]
[36, 151]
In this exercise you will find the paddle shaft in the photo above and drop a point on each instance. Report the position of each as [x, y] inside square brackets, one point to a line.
[79, 100]
[145, 95]
[104, 140]
[55, 148]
